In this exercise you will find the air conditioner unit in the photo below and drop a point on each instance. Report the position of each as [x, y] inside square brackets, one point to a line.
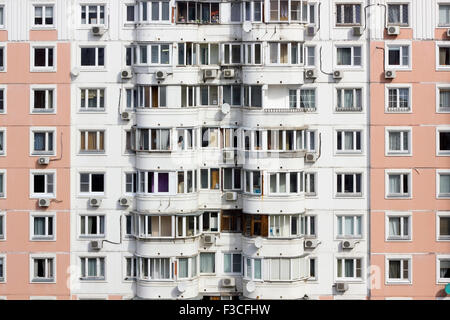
[341, 287]
[44, 203]
[95, 202]
[448, 33]
[393, 30]
[348, 244]
[124, 201]
[337, 74]
[310, 157]
[228, 73]
[231, 196]
[311, 74]
[209, 74]
[96, 245]
[311, 244]
[125, 115]
[311, 31]
[358, 31]
[228, 156]
[43, 160]
[126, 74]
[228, 282]
[98, 30]
[208, 239]
[160, 75]
[390, 74]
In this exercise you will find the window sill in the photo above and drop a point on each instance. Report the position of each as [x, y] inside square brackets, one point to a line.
[42, 154]
[352, 280]
[49, 280]
[42, 238]
[398, 239]
[90, 237]
[398, 154]
[351, 196]
[43, 70]
[399, 282]
[43, 28]
[45, 196]
[96, 110]
[398, 197]
[101, 280]
[43, 111]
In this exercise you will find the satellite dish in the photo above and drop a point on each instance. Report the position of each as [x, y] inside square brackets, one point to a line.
[247, 26]
[258, 242]
[250, 286]
[226, 108]
[181, 287]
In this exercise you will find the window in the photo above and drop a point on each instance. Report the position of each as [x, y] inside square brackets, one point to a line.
[42, 227]
[284, 182]
[398, 185]
[443, 264]
[308, 225]
[152, 97]
[92, 268]
[253, 96]
[197, 12]
[232, 263]
[2, 269]
[348, 14]
[92, 14]
[2, 16]
[232, 53]
[154, 54]
[349, 99]
[2, 58]
[398, 269]
[308, 99]
[252, 53]
[43, 100]
[444, 99]
[349, 56]
[444, 15]
[207, 262]
[92, 141]
[349, 269]
[232, 179]
[2, 185]
[310, 56]
[130, 140]
[188, 96]
[43, 185]
[150, 226]
[349, 184]
[92, 99]
[130, 268]
[92, 226]
[43, 142]
[284, 226]
[444, 56]
[253, 182]
[130, 12]
[92, 183]
[93, 57]
[129, 227]
[131, 96]
[43, 15]
[253, 11]
[130, 182]
[44, 58]
[187, 226]
[399, 100]
[187, 53]
[210, 137]
[232, 95]
[310, 184]
[185, 138]
[348, 141]
[154, 139]
[443, 183]
[443, 141]
[349, 226]
[285, 52]
[2, 97]
[154, 11]
[288, 10]
[398, 226]
[43, 269]
[256, 225]
[154, 182]
[253, 269]
[231, 221]
[209, 95]
[185, 181]
[2, 142]
[398, 142]
[210, 221]
[236, 11]
[2, 226]
[398, 14]
[398, 56]
[443, 226]
[312, 273]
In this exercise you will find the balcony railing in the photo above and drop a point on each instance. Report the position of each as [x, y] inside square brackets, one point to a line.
[289, 110]
[348, 109]
[398, 109]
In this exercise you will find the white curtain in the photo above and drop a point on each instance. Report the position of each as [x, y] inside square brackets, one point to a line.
[394, 270]
[207, 263]
[344, 56]
[39, 226]
[348, 98]
[444, 99]
[92, 267]
[444, 14]
[349, 268]
[444, 184]
[394, 226]
[394, 13]
[394, 141]
[348, 140]
[227, 263]
[349, 225]
[165, 140]
[394, 184]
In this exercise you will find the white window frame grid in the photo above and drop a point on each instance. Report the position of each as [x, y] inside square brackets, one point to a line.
[440, 153]
[3, 279]
[353, 23]
[439, 237]
[44, 7]
[208, 136]
[151, 267]
[3, 15]
[233, 182]
[98, 217]
[142, 102]
[140, 16]
[96, 66]
[229, 47]
[398, 45]
[3, 47]
[3, 174]
[307, 55]
[45, 256]
[46, 46]
[441, 44]
[3, 88]
[46, 131]
[401, 173]
[47, 89]
[353, 194]
[389, 281]
[210, 178]
[355, 278]
[315, 260]
[86, 107]
[440, 257]
[192, 264]
[159, 137]
[3, 229]
[354, 108]
[149, 55]
[190, 96]
[438, 97]
[439, 24]
[252, 267]
[299, 98]
[98, 135]
[401, 3]
[186, 186]
[252, 11]
[249, 55]
[308, 192]
[90, 193]
[232, 254]
[398, 109]
[439, 173]
[133, 226]
[233, 87]
[186, 146]
[134, 182]
[3, 141]
[354, 233]
[129, 23]
[289, 19]
[98, 5]
[134, 268]
[352, 46]
[251, 191]
[185, 226]
[354, 133]
[97, 277]
[287, 174]
[134, 98]
[46, 173]
[402, 237]
[275, 230]
[305, 225]
[398, 153]
[300, 53]
[216, 265]
[45, 215]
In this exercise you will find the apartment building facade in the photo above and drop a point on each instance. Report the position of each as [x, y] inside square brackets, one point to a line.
[212, 150]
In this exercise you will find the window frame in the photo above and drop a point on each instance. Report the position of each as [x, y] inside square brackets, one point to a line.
[398, 153]
[98, 98]
[46, 46]
[46, 173]
[439, 23]
[299, 58]
[46, 215]
[96, 66]
[398, 45]
[340, 99]
[354, 193]
[401, 173]
[402, 280]
[200, 263]
[3, 141]
[439, 174]
[352, 46]
[4, 62]
[3, 228]
[134, 268]
[355, 133]
[101, 225]
[402, 237]
[149, 12]
[401, 4]
[3, 275]
[440, 88]
[100, 134]
[439, 237]
[354, 18]
[46, 131]
[439, 258]
[232, 264]
[252, 268]
[47, 89]
[355, 278]
[99, 260]
[398, 109]
[5, 182]
[90, 192]
[439, 45]
[98, 13]
[440, 153]
[46, 257]
[354, 233]
[44, 7]
[2, 15]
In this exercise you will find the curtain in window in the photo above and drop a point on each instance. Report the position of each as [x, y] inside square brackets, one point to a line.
[444, 56]
[92, 98]
[307, 99]
[227, 263]
[39, 141]
[394, 226]
[394, 141]
[445, 269]
[92, 267]
[394, 14]
[444, 183]
[394, 269]
[349, 268]
[444, 14]
[348, 140]
[348, 98]
[344, 56]
[394, 184]
[444, 98]
[207, 263]
[39, 226]
[183, 268]
[165, 140]
[349, 224]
